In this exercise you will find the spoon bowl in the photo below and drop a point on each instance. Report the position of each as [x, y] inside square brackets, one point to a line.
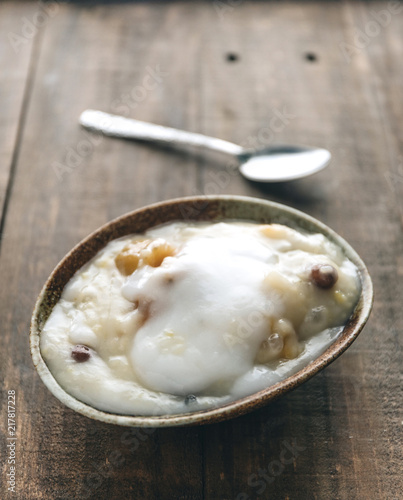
[210, 209]
[278, 163]
[282, 163]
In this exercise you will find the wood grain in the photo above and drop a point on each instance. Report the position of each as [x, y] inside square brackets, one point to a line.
[15, 56]
[260, 72]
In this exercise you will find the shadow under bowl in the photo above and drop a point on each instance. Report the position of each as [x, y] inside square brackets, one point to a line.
[205, 208]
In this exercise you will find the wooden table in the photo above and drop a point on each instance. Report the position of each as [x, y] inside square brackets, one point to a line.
[322, 73]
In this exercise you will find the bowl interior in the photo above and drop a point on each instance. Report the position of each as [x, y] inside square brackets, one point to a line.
[194, 209]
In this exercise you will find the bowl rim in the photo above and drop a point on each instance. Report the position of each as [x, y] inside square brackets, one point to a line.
[240, 406]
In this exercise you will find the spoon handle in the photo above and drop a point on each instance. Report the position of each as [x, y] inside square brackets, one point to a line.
[128, 128]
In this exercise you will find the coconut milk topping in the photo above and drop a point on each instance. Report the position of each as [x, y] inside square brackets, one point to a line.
[191, 316]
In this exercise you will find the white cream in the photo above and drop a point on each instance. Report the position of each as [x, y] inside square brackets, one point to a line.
[195, 322]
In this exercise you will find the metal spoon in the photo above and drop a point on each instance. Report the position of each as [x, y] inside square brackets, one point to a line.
[269, 164]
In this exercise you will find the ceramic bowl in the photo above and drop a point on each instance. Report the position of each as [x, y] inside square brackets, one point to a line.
[199, 209]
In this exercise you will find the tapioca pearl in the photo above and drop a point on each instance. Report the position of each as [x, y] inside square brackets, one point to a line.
[279, 343]
[270, 349]
[316, 320]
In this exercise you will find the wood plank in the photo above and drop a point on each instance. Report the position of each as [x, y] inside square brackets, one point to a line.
[47, 216]
[349, 107]
[15, 54]
[338, 435]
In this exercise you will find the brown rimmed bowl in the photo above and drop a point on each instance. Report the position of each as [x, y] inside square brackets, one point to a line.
[205, 208]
